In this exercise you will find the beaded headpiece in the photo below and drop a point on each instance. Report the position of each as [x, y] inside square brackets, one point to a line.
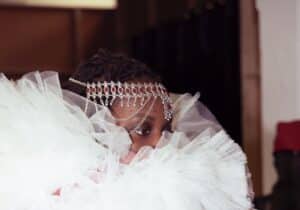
[105, 93]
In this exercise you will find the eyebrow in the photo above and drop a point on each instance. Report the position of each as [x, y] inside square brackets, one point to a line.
[151, 118]
[142, 115]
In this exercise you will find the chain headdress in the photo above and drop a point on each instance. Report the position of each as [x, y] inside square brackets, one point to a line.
[129, 93]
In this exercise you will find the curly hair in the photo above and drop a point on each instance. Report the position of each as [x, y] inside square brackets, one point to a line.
[107, 66]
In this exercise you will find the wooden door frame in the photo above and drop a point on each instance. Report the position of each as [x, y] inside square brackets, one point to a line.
[251, 90]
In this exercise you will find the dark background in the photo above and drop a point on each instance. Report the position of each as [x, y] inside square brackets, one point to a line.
[193, 44]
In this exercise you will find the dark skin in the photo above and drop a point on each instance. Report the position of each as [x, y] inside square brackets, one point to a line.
[145, 128]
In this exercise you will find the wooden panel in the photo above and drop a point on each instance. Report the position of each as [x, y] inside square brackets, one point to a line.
[33, 39]
[251, 90]
[170, 9]
[51, 39]
[99, 4]
[96, 29]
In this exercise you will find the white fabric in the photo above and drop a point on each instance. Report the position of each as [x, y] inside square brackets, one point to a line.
[47, 143]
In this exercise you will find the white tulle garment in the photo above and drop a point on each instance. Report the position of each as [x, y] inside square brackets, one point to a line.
[47, 144]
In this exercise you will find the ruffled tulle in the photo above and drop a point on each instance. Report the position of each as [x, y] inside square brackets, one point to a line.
[53, 156]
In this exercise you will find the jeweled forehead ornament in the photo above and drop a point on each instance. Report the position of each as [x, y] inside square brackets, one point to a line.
[129, 93]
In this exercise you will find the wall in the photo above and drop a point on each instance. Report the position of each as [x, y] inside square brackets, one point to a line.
[42, 38]
[52, 39]
[279, 73]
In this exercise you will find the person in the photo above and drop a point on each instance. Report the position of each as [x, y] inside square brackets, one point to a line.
[144, 127]
[112, 139]
[147, 123]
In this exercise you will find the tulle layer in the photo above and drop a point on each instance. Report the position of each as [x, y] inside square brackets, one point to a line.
[54, 156]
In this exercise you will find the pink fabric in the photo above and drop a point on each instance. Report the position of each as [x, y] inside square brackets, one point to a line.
[288, 136]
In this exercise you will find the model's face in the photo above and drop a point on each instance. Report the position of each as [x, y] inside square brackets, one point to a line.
[145, 127]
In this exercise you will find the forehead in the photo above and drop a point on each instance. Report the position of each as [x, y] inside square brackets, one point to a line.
[153, 108]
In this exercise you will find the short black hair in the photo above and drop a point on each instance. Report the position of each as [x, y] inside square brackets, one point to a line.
[108, 66]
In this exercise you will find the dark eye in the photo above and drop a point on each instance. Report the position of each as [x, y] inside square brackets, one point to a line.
[143, 130]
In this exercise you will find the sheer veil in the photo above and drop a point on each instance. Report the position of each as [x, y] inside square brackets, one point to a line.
[49, 145]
